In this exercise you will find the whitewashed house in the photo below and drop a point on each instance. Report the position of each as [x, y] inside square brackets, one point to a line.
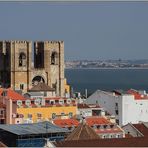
[130, 106]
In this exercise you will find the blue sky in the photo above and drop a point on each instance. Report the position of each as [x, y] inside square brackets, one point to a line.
[90, 30]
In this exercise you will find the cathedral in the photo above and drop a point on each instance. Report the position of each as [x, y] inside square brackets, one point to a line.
[24, 64]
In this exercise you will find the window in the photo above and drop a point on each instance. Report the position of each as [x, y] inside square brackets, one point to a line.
[21, 86]
[116, 108]
[62, 114]
[53, 115]
[116, 111]
[52, 102]
[105, 126]
[54, 56]
[39, 115]
[4, 93]
[70, 115]
[103, 136]
[2, 112]
[30, 116]
[117, 121]
[22, 59]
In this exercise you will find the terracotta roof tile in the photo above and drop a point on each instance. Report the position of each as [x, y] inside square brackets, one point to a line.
[12, 94]
[83, 131]
[80, 106]
[66, 122]
[116, 142]
[137, 95]
[42, 87]
[108, 131]
[96, 121]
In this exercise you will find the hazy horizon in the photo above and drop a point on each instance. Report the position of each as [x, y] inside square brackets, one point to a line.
[90, 30]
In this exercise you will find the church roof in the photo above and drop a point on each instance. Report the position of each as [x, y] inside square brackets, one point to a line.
[83, 132]
[41, 87]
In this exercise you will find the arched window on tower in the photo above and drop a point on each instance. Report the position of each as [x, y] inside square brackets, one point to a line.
[54, 57]
[22, 59]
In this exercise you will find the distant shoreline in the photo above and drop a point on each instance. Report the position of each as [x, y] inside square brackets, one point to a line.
[112, 68]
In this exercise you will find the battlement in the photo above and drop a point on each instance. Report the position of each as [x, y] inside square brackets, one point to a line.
[15, 41]
[52, 42]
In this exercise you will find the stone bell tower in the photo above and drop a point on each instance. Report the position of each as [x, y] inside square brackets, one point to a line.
[15, 64]
[20, 71]
[49, 58]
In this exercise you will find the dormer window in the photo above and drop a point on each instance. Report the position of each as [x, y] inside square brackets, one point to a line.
[22, 59]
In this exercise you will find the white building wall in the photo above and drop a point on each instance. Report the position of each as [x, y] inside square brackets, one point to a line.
[134, 111]
[129, 109]
[104, 99]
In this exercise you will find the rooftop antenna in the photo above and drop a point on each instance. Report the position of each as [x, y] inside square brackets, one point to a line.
[86, 93]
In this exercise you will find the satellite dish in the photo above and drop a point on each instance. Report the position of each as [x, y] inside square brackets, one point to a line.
[19, 103]
[28, 103]
[37, 102]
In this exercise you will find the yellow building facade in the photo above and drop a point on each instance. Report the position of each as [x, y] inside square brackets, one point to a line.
[46, 113]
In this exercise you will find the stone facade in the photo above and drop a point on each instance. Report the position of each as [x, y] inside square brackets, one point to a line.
[21, 67]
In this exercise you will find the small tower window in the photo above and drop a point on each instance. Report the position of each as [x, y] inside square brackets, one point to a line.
[21, 86]
[54, 56]
[22, 59]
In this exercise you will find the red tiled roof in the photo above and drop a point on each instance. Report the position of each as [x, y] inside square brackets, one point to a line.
[113, 142]
[117, 130]
[142, 128]
[12, 94]
[94, 106]
[66, 122]
[81, 106]
[96, 121]
[137, 95]
[83, 131]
